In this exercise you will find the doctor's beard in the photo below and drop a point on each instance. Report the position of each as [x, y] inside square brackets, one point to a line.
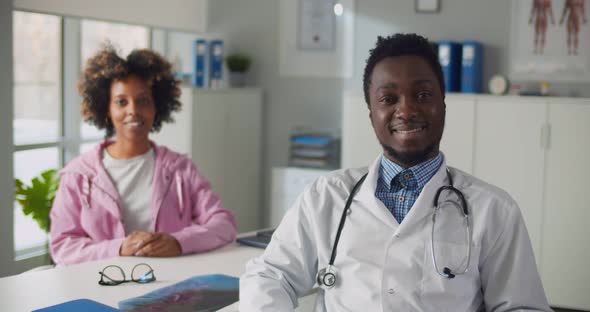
[412, 158]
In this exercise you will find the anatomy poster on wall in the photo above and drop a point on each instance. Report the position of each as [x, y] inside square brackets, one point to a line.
[550, 40]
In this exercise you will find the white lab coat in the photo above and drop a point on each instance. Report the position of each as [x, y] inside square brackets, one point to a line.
[385, 266]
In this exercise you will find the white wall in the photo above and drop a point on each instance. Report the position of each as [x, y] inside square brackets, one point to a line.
[482, 20]
[189, 15]
[6, 182]
[252, 26]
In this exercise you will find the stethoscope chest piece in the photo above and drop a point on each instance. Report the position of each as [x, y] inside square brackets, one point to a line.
[326, 277]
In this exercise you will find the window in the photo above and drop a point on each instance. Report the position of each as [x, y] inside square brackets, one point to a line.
[40, 136]
[36, 47]
[37, 111]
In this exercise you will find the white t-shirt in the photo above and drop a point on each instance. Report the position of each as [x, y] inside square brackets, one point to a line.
[133, 179]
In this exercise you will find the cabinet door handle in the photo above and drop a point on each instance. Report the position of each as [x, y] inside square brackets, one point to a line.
[546, 136]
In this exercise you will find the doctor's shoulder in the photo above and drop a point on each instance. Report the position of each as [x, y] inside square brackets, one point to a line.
[326, 194]
[332, 187]
[342, 179]
[481, 194]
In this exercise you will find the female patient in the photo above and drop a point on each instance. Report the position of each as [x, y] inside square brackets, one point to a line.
[129, 196]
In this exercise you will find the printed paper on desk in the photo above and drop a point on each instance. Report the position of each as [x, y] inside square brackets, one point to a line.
[198, 293]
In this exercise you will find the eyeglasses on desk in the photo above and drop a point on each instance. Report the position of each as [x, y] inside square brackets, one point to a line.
[113, 275]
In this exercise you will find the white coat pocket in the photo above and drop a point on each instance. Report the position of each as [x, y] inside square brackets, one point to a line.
[460, 293]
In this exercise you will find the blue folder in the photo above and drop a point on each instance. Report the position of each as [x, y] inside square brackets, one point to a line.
[471, 67]
[215, 63]
[449, 55]
[85, 305]
[200, 56]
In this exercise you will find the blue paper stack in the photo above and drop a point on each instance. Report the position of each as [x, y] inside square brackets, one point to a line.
[314, 150]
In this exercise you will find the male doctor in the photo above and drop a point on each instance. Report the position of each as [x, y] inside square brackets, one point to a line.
[391, 254]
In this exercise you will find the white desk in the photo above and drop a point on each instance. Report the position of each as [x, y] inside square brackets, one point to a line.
[39, 289]
[34, 290]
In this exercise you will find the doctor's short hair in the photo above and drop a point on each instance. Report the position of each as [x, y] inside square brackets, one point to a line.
[401, 45]
[107, 66]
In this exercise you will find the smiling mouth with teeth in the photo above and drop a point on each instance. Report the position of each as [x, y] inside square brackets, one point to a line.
[134, 123]
[404, 131]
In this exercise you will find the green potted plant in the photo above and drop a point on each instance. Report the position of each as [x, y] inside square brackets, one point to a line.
[237, 64]
[36, 199]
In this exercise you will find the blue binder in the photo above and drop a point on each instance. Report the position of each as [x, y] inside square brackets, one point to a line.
[200, 56]
[471, 67]
[86, 305]
[216, 62]
[449, 55]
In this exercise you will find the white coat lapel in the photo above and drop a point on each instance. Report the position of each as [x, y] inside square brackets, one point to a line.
[366, 196]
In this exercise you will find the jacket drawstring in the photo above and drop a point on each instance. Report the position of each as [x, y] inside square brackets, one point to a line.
[85, 193]
[180, 197]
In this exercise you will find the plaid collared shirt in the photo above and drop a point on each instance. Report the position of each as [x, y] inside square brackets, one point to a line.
[398, 188]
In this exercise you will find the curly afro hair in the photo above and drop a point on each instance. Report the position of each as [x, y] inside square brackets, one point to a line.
[400, 45]
[106, 66]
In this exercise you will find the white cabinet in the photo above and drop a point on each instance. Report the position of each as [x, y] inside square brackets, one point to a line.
[287, 184]
[457, 141]
[509, 153]
[221, 131]
[226, 148]
[535, 148]
[177, 135]
[565, 256]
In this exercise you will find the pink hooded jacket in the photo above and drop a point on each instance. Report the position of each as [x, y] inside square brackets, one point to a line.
[86, 218]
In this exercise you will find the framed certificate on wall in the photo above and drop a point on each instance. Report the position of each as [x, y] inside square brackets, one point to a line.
[316, 38]
[427, 6]
[316, 25]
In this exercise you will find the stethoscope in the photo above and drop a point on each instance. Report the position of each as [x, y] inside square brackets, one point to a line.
[327, 277]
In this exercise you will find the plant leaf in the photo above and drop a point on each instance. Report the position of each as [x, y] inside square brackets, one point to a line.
[36, 200]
